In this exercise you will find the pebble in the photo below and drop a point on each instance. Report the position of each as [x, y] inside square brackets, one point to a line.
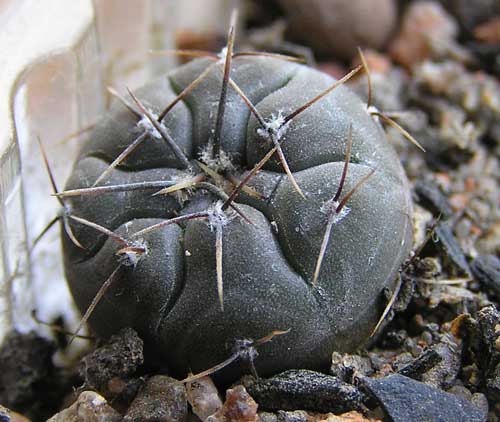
[346, 366]
[417, 367]
[117, 360]
[393, 339]
[400, 360]
[489, 31]
[292, 416]
[471, 13]
[484, 341]
[427, 338]
[407, 400]
[345, 417]
[449, 87]
[301, 416]
[378, 63]
[267, 417]
[89, 407]
[27, 372]
[426, 29]
[451, 248]
[481, 402]
[489, 243]
[7, 415]
[203, 397]
[421, 220]
[486, 269]
[430, 196]
[4, 414]
[428, 268]
[460, 391]
[337, 27]
[238, 407]
[161, 399]
[304, 390]
[388, 89]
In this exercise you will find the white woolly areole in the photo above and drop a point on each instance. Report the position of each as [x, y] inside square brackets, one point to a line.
[146, 124]
[245, 349]
[217, 217]
[131, 258]
[329, 208]
[222, 162]
[222, 55]
[274, 125]
[372, 109]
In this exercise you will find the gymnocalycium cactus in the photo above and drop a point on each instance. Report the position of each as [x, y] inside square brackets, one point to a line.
[240, 194]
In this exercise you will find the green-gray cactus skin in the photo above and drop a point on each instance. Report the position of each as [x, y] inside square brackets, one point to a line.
[170, 296]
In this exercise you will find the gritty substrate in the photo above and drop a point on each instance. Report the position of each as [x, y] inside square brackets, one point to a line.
[438, 357]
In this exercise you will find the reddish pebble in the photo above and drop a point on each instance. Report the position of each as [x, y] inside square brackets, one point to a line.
[238, 407]
[426, 26]
[489, 32]
[377, 62]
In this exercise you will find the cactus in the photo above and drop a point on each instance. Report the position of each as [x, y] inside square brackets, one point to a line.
[238, 195]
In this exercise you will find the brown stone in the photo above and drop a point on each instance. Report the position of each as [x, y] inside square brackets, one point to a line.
[338, 27]
[489, 31]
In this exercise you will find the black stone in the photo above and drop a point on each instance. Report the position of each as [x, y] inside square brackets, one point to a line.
[486, 270]
[26, 360]
[430, 196]
[118, 358]
[483, 339]
[427, 360]
[450, 247]
[29, 381]
[303, 390]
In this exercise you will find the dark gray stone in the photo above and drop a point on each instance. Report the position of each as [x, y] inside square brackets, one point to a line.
[162, 399]
[407, 400]
[422, 364]
[444, 373]
[295, 416]
[118, 358]
[484, 338]
[431, 197]
[450, 247]
[486, 269]
[26, 369]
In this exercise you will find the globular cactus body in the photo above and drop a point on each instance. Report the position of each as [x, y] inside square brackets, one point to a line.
[169, 293]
